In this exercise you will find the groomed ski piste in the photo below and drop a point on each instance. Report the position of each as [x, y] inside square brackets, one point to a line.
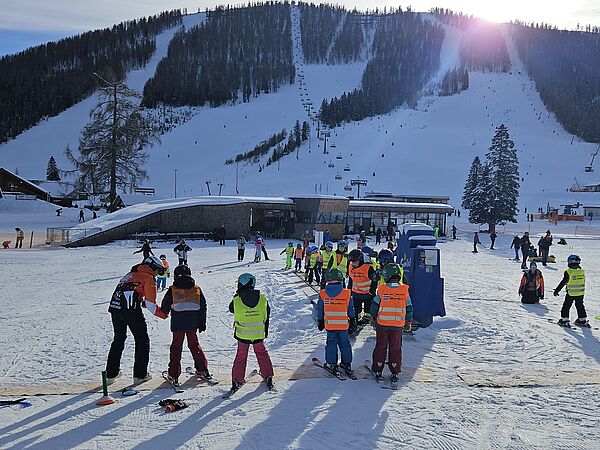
[491, 374]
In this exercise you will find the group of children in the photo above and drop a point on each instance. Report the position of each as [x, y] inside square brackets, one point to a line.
[356, 288]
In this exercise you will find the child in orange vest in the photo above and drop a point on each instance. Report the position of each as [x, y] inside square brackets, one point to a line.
[334, 312]
[298, 254]
[391, 313]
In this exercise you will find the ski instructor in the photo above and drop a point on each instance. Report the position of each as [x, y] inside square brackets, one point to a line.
[126, 311]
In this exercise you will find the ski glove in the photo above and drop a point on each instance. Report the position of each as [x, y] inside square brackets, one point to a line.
[202, 328]
[321, 325]
[556, 292]
[407, 327]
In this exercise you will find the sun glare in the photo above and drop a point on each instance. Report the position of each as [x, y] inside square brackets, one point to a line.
[507, 10]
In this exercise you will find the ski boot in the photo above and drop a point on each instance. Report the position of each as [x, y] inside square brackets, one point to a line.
[110, 381]
[583, 323]
[348, 369]
[269, 383]
[394, 378]
[564, 322]
[137, 380]
[333, 368]
[378, 376]
[174, 382]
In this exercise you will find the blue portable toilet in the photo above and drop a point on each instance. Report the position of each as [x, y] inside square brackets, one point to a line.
[420, 258]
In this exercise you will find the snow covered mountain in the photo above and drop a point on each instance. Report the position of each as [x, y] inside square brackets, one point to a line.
[423, 149]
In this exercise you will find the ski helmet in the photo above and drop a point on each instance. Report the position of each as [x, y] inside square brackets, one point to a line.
[573, 259]
[328, 244]
[342, 243]
[290, 244]
[247, 280]
[532, 266]
[390, 272]
[334, 275]
[182, 270]
[355, 255]
[154, 263]
[366, 250]
[385, 256]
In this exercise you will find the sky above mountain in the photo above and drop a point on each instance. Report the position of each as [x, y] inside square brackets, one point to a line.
[24, 23]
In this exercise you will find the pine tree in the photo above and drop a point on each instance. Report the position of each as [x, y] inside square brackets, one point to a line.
[305, 130]
[112, 146]
[52, 173]
[502, 157]
[471, 184]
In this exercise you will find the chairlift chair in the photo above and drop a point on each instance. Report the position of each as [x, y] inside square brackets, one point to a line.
[347, 168]
[338, 176]
[339, 156]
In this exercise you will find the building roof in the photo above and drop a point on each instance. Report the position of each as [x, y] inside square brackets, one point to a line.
[442, 207]
[57, 189]
[29, 184]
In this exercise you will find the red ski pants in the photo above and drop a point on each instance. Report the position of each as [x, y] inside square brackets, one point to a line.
[388, 341]
[238, 373]
[200, 362]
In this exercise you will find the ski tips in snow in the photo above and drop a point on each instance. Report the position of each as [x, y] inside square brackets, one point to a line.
[174, 383]
[233, 390]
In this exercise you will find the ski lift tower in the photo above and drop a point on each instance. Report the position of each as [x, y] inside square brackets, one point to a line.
[358, 183]
[590, 168]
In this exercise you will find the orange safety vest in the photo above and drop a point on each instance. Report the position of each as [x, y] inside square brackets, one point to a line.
[336, 310]
[186, 299]
[360, 278]
[298, 253]
[392, 305]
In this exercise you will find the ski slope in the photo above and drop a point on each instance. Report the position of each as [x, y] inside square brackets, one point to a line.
[64, 333]
[426, 150]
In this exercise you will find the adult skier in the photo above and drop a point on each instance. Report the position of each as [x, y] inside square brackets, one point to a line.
[126, 312]
[20, 237]
[251, 312]
[574, 280]
[493, 237]
[475, 242]
[186, 303]
[334, 313]
[391, 313]
[531, 288]
[145, 250]
[544, 245]
[525, 243]
[182, 250]
[363, 286]
[516, 244]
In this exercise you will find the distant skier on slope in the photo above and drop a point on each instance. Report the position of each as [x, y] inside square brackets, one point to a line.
[251, 313]
[335, 312]
[531, 288]
[574, 280]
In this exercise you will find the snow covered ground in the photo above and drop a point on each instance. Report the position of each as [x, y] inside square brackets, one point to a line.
[56, 332]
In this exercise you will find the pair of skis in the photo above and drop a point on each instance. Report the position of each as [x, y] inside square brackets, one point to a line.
[381, 379]
[572, 327]
[191, 371]
[236, 388]
[337, 372]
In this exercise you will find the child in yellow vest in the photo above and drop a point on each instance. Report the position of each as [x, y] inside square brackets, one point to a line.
[161, 280]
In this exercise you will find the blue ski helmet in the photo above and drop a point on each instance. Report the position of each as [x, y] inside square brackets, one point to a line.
[328, 244]
[247, 279]
[367, 250]
[385, 256]
[573, 259]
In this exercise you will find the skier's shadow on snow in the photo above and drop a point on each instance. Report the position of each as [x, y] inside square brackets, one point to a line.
[536, 308]
[588, 343]
[192, 426]
[355, 405]
[5, 439]
[87, 431]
